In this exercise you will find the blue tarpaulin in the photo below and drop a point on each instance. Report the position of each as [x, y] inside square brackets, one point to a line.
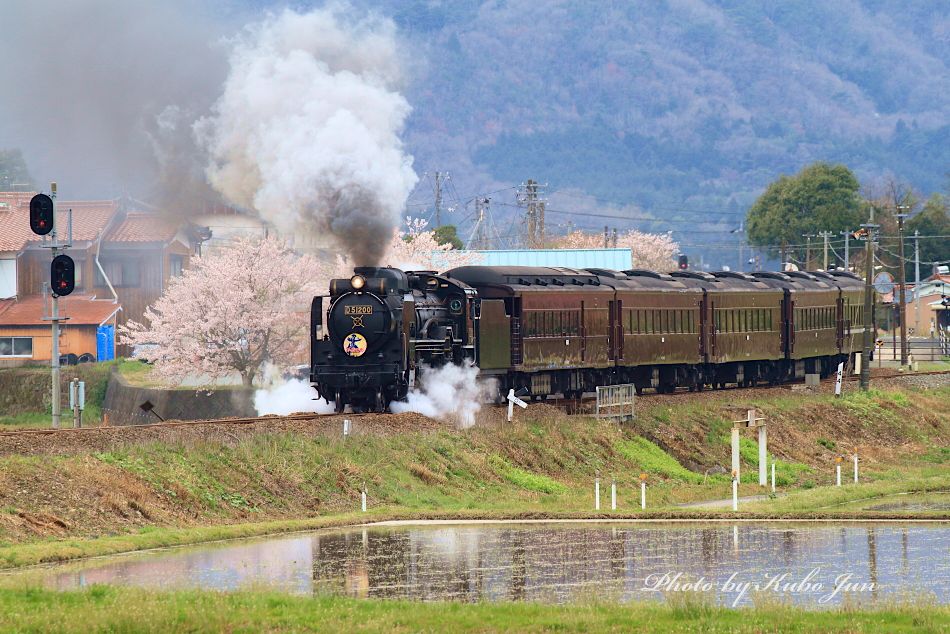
[105, 343]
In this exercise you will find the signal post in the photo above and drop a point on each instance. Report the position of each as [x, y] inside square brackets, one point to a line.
[62, 279]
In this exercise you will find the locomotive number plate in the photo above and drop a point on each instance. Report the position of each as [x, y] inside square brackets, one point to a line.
[360, 309]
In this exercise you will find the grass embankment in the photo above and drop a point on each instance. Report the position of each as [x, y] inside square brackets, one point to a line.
[26, 401]
[131, 610]
[53, 507]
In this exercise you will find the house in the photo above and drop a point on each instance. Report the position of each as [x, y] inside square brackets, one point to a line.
[125, 254]
[26, 337]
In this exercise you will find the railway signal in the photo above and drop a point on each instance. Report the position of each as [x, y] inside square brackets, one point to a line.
[41, 214]
[62, 273]
[683, 261]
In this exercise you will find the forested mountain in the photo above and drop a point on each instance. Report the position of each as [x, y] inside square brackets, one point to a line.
[675, 106]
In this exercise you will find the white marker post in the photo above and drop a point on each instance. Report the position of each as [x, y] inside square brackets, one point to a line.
[855, 468]
[364, 497]
[613, 494]
[735, 491]
[643, 491]
[346, 428]
[735, 452]
[597, 492]
[773, 476]
[512, 401]
[838, 470]
[838, 380]
[751, 420]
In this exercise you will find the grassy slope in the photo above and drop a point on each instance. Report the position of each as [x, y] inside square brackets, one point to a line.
[128, 610]
[169, 493]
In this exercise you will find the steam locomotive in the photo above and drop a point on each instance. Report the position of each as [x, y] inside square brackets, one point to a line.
[548, 331]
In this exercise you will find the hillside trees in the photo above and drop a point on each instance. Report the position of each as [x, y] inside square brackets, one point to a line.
[13, 171]
[821, 197]
[933, 220]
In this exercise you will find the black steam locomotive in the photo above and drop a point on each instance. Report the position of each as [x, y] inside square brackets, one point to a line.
[382, 325]
[563, 331]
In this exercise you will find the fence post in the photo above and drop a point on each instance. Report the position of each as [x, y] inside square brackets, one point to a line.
[643, 491]
[613, 494]
[597, 491]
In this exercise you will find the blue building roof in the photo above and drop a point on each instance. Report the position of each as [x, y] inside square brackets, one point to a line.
[617, 259]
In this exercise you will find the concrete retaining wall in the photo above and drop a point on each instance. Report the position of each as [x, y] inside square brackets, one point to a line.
[121, 406]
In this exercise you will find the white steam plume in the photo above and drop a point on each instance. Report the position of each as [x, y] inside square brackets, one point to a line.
[307, 129]
[451, 391]
[288, 398]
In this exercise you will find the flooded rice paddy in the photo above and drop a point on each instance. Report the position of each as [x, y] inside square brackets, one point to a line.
[811, 564]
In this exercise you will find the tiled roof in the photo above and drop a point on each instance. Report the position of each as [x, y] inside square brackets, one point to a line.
[141, 226]
[89, 219]
[81, 310]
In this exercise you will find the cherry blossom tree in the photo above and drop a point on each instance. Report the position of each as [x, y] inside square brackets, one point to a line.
[416, 248]
[652, 251]
[232, 312]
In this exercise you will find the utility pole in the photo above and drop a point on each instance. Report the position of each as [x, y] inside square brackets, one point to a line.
[847, 249]
[808, 237]
[902, 213]
[479, 239]
[868, 231]
[917, 282]
[440, 178]
[614, 238]
[784, 254]
[530, 197]
[606, 236]
[825, 235]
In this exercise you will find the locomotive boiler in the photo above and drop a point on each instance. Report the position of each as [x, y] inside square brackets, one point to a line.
[380, 328]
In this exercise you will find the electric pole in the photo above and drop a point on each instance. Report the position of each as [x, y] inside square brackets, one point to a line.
[440, 178]
[808, 237]
[784, 254]
[847, 249]
[917, 282]
[902, 213]
[825, 235]
[868, 233]
[479, 239]
[530, 197]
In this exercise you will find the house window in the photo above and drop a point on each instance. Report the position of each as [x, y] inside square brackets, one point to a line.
[175, 265]
[122, 273]
[16, 347]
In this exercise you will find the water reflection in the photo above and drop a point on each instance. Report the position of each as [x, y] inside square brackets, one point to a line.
[548, 562]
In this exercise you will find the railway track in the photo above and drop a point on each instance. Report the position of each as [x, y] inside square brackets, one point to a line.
[168, 424]
[314, 415]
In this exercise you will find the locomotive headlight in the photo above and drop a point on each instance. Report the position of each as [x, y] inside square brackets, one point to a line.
[357, 282]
